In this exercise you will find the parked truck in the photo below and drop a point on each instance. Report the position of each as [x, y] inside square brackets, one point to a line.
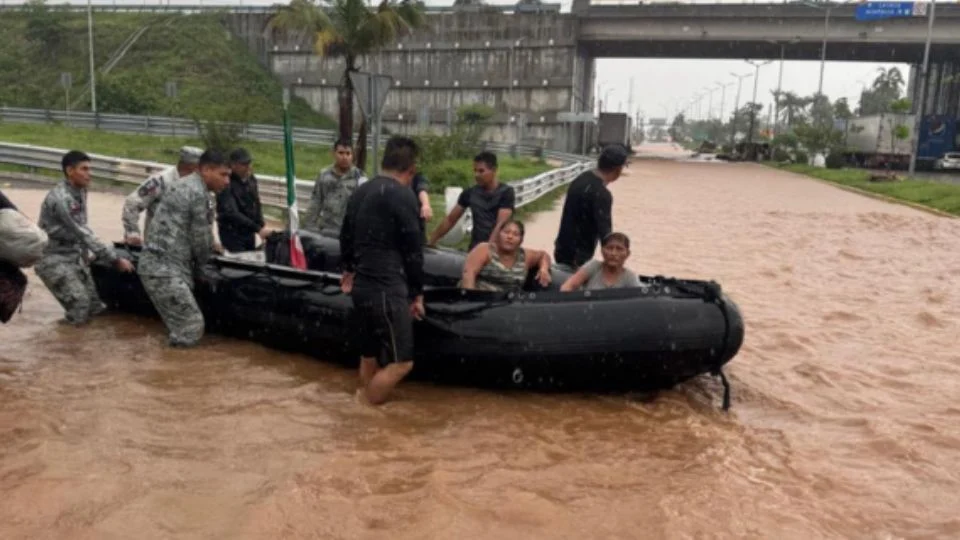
[938, 137]
[614, 128]
[872, 141]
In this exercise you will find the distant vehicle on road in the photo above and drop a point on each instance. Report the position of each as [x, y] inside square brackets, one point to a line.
[949, 161]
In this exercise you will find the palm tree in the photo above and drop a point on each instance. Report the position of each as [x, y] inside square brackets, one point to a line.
[351, 29]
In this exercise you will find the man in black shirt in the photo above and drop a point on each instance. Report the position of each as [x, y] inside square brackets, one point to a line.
[381, 249]
[239, 214]
[587, 209]
[491, 203]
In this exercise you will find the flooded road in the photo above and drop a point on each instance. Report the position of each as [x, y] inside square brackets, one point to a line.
[845, 421]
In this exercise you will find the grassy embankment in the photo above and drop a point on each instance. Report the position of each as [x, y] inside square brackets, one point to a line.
[938, 196]
[217, 77]
[268, 158]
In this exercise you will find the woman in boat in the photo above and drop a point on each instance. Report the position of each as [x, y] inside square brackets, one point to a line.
[503, 265]
[609, 274]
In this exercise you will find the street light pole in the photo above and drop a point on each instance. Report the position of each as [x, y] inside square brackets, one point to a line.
[823, 49]
[93, 75]
[736, 108]
[776, 115]
[753, 105]
[723, 99]
[921, 100]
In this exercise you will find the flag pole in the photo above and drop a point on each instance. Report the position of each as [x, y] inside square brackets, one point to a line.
[297, 258]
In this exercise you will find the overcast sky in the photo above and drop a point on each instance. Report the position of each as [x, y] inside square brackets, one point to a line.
[667, 86]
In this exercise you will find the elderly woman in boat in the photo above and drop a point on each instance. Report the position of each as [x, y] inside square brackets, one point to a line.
[609, 274]
[503, 265]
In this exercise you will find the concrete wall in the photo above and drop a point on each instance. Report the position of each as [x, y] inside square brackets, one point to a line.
[942, 89]
[527, 67]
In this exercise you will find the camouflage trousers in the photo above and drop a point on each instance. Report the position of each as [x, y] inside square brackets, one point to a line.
[71, 284]
[174, 300]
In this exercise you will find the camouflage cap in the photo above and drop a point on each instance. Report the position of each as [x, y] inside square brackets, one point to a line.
[190, 155]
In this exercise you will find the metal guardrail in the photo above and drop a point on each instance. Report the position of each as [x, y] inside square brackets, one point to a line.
[272, 188]
[184, 127]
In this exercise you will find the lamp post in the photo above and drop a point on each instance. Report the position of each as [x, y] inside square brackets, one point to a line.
[921, 100]
[723, 101]
[93, 75]
[753, 105]
[828, 7]
[736, 107]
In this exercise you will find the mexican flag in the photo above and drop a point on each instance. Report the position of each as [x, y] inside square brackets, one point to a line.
[297, 258]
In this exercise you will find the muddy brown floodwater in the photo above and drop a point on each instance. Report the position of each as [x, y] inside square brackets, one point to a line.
[845, 419]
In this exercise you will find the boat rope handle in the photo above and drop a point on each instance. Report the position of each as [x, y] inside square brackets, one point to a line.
[718, 369]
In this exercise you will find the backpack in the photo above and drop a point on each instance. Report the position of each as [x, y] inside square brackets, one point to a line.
[21, 241]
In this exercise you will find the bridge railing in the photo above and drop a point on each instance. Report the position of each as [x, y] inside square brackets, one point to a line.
[184, 127]
[272, 188]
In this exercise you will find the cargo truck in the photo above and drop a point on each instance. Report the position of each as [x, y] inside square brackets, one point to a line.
[614, 128]
[871, 141]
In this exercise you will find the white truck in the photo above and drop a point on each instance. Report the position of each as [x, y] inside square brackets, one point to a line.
[872, 141]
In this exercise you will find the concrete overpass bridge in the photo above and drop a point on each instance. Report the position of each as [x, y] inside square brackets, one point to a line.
[531, 62]
[757, 31]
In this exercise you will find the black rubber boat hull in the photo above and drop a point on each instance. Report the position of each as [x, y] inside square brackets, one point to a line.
[617, 340]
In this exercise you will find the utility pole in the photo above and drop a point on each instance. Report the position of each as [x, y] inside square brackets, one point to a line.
[753, 105]
[823, 49]
[93, 74]
[630, 100]
[723, 98]
[921, 100]
[736, 108]
[776, 115]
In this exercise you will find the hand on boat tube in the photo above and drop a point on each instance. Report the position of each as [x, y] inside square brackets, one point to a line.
[346, 282]
[265, 232]
[124, 265]
[543, 276]
[416, 308]
[218, 248]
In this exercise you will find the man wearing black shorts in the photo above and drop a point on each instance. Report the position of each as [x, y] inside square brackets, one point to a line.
[587, 208]
[381, 246]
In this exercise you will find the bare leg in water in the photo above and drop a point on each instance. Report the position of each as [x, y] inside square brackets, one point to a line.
[377, 388]
[368, 368]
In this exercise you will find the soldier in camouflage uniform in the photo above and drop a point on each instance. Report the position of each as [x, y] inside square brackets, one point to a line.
[147, 196]
[64, 268]
[333, 188]
[181, 239]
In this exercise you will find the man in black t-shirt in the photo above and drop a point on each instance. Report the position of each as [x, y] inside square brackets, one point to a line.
[491, 203]
[381, 249]
[420, 187]
[587, 210]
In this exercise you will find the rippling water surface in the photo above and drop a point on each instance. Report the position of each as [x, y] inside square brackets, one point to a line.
[844, 421]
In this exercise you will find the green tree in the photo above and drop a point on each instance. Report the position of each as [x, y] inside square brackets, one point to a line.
[678, 128]
[45, 29]
[886, 89]
[841, 109]
[350, 29]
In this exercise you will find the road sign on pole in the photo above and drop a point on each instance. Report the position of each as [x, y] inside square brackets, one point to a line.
[872, 11]
[371, 90]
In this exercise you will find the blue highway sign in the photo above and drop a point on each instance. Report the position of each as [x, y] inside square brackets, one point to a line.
[872, 11]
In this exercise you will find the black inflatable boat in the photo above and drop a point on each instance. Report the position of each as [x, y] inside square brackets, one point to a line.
[646, 338]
